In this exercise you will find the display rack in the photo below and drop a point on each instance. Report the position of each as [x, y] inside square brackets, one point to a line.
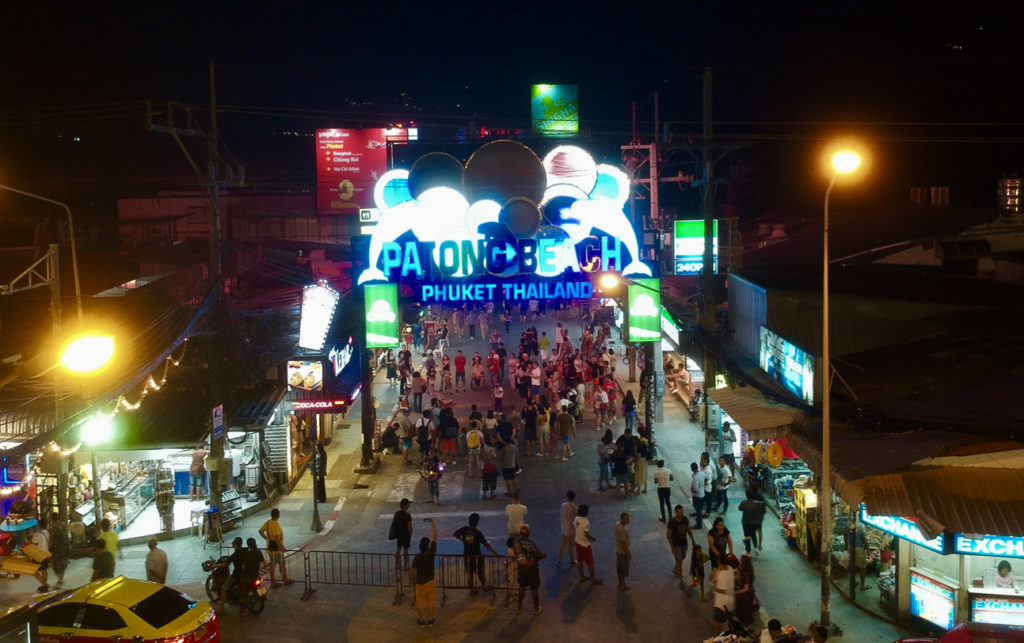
[230, 506]
[164, 496]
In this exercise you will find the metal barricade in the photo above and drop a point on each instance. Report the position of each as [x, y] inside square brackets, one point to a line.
[452, 572]
[361, 569]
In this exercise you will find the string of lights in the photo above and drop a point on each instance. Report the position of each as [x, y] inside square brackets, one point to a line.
[151, 383]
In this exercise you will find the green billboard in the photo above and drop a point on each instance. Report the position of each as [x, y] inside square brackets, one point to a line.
[645, 310]
[381, 315]
[554, 110]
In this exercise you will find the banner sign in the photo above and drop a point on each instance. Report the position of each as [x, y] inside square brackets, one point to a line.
[555, 110]
[905, 529]
[1002, 610]
[791, 366]
[645, 310]
[1002, 546]
[506, 214]
[319, 406]
[688, 246]
[348, 163]
[382, 316]
[511, 292]
[305, 375]
[931, 600]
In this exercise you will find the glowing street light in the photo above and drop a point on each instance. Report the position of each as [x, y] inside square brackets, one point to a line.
[609, 281]
[87, 352]
[844, 163]
[97, 430]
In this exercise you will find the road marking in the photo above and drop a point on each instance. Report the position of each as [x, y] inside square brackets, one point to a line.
[329, 525]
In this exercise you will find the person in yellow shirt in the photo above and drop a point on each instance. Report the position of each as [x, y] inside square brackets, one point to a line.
[109, 536]
[272, 533]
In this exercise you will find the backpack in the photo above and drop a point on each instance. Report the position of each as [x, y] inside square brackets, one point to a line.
[449, 429]
[423, 430]
[529, 553]
[473, 439]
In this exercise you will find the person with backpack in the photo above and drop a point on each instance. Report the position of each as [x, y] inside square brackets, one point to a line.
[449, 430]
[423, 434]
[474, 444]
[528, 555]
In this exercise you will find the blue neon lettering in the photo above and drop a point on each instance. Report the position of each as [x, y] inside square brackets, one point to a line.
[1009, 546]
[528, 256]
[546, 256]
[589, 256]
[449, 258]
[610, 253]
[411, 261]
[391, 255]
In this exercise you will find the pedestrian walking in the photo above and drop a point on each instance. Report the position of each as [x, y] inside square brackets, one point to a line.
[697, 561]
[431, 474]
[472, 540]
[723, 586]
[677, 533]
[507, 452]
[753, 510]
[474, 446]
[419, 386]
[725, 479]
[60, 548]
[109, 536]
[710, 482]
[156, 563]
[662, 477]
[271, 532]
[697, 495]
[499, 395]
[620, 471]
[719, 544]
[488, 469]
[422, 576]
[566, 431]
[102, 560]
[543, 430]
[401, 532]
[568, 513]
[622, 551]
[460, 371]
[746, 599]
[527, 557]
[40, 538]
[516, 514]
[582, 540]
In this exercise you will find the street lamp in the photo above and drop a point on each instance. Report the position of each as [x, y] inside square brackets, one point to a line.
[844, 162]
[71, 233]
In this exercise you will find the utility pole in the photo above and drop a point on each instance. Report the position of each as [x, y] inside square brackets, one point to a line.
[708, 274]
[214, 282]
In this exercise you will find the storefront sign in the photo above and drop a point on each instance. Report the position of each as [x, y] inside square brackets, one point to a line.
[341, 356]
[1002, 546]
[348, 162]
[318, 304]
[382, 316]
[1003, 610]
[905, 529]
[319, 406]
[512, 292]
[791, 366]
[308, 376]
[563, 216]
[688, 246]
[218, 422]
[931, 600]
[645, 310]
[555, 110]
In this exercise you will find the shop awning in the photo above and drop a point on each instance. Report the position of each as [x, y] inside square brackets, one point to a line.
[752, 411]
[254, 407]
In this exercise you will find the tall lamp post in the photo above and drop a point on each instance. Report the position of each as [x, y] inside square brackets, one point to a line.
[71, 233]
[843, 162]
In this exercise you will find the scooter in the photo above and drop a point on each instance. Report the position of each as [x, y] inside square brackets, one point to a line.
[248, 595]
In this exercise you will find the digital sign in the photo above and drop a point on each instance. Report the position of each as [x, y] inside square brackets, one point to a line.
[791, 366]
[645, 310]
[340, 357]
[382, 316]
[688, 246]
[555, 110]
[905, 529]
[348, 163]
[505, 214]
[1002, 610]
[931, 600]
[318, 304]
[512, 292]
[1002, 546]
[319, 406]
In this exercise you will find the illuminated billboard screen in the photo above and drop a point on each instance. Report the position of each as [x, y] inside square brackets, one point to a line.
[931, 600]
[318, 304]
[645, 310]
[382, 316]
[555, 110]
[791, 366]
[308, 376]
[688, 246]
[348, 164]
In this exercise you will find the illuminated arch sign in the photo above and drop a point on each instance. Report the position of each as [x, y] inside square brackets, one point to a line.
[504, 219]
[907, 530]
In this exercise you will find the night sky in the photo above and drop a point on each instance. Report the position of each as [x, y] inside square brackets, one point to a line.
[937, 92]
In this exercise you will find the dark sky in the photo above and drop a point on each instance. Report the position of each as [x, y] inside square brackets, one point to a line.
[936, 90]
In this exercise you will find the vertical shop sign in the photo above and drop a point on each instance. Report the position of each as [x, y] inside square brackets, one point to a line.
[645, 310]
[382, 315]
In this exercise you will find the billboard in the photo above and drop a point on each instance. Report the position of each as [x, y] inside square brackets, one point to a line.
[308, 376]
[645, 310]
[791, 366]
[931, 600]
[318, 304]
[688, 246]
[348, 164]
[382, 315]
[554, 110]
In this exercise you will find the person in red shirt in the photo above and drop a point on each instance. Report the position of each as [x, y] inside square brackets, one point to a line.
[460, 371]
[610, 388]
[494, 366]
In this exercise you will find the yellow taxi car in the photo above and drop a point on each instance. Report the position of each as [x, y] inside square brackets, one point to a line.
[123, 609]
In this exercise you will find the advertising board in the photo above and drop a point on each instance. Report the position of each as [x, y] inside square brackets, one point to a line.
[382, 316]
[319, 302]
[348, 163]
[554, 110]
[791, 366]
[688, 246]
[645, 310]
[931, 600]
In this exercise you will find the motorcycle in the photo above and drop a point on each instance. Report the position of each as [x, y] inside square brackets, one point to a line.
[248, 595]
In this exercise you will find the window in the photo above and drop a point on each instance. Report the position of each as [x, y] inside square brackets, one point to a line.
[61, 615]
[163, 606]
[100, 617]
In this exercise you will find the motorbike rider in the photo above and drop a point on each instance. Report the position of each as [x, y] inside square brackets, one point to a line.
[237, 560]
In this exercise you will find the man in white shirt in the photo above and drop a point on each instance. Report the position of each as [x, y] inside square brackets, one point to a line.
[582, 539]
[710, 475]
[568, 530]
[697, 495]
[724, 593]
[516, 513]
[662, 477]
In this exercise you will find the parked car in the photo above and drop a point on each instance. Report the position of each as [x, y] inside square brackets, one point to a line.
[974, 633]
[125, 609]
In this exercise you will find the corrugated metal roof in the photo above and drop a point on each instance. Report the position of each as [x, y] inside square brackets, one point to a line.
[752, 411]
[254, 407]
